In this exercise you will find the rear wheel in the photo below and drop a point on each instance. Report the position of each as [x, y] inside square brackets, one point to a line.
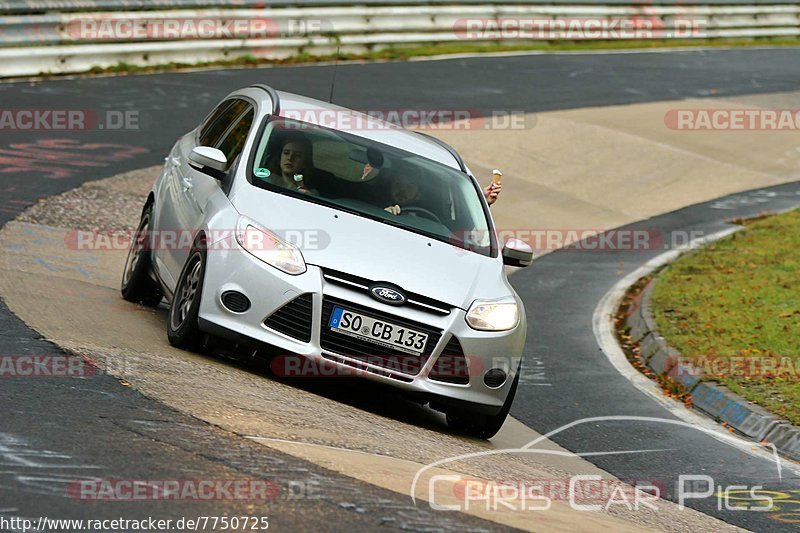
[183, 329]
[482, 426]
[137, 285]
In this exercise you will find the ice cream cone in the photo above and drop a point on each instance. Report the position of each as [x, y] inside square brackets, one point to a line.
[497, 176]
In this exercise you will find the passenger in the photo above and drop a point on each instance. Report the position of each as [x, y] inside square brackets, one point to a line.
[292, 167]
[492, 192]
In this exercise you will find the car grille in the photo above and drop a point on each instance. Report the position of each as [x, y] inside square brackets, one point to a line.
[293, 319]
[451, 366]
[363, 350]
[362, 284]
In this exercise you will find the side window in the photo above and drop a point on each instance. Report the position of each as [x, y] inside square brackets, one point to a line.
[219, 122]
[219, 110]
[233, 143]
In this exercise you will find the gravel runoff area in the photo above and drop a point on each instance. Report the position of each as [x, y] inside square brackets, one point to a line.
[115, 204]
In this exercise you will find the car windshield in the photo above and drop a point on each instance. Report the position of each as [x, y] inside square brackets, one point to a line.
[372, 180]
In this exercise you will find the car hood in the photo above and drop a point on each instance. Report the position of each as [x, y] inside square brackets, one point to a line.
[338, 240]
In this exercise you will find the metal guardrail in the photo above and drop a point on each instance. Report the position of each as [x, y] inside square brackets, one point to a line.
[60, 42]
[21, 7]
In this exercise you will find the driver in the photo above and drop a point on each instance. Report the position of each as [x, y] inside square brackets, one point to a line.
[404, 191]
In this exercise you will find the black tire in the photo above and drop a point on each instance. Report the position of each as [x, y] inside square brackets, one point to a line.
[137, 286]
[483, 426]
[183, 329]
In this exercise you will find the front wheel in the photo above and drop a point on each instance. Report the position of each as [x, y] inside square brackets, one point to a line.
[137, 285]
[483, 426]
[183, 329]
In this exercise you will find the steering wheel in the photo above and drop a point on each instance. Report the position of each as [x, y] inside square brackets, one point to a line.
[422, 211]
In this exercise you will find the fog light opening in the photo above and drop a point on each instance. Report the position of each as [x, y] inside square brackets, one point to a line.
[495, 378]
[235, 301]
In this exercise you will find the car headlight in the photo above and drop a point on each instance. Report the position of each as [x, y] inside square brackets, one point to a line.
[259, 242]
[493, 315]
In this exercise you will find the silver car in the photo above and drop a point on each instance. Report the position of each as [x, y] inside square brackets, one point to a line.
[339, 245]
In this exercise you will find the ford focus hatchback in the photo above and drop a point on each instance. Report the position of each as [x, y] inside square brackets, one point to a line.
[340, 244]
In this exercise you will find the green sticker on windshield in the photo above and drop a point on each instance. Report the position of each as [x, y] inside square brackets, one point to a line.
[262, 172]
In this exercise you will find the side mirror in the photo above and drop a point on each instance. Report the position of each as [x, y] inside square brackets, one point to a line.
[209, 161]
[517, 253]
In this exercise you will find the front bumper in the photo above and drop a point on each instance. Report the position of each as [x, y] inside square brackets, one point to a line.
[269, 290]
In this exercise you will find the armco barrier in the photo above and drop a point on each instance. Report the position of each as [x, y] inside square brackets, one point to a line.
[63, 40]
[42, 6]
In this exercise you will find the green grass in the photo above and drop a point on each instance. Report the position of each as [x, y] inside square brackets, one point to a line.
[399, 53]
[740, 298]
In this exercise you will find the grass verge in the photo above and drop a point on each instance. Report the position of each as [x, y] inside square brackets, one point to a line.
[734, 308]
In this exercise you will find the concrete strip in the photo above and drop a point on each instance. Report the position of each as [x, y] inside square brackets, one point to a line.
[686, 374]
[441, 487]
[653, 348]
[743, 416]
[636, 320]
[787, 439]
[661, 360]
[644, 307]
[649, 347]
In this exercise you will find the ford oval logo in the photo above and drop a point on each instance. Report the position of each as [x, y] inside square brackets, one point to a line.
[388, 295]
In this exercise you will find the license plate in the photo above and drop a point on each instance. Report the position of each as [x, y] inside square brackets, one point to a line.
[377, 331]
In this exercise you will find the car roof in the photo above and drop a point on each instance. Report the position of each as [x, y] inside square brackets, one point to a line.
[361, 125]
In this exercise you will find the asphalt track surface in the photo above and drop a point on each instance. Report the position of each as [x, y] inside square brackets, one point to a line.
[561, 291]
[51, 428]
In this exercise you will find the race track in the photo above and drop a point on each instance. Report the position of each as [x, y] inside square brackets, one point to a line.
[164, 431]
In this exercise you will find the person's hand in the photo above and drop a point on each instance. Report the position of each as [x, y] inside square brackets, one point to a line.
[492, 192]
[393, 209]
